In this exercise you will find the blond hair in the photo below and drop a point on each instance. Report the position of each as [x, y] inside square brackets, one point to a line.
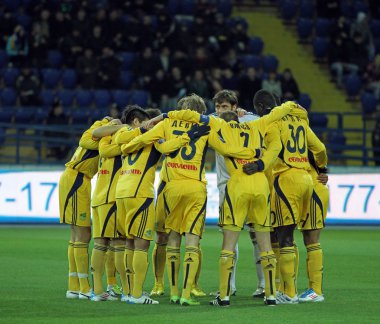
[192, 102]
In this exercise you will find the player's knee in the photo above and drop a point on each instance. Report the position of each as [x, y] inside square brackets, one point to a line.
[285, 236]
[101, 240]
[141, 244]
[82, 234]
[191, 239]
[174, 239]
[311, 237]
[162, 238]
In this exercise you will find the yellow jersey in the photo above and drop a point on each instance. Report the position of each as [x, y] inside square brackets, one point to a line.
[86, 156]
[108, 172]
[296, 139]
[139, 166]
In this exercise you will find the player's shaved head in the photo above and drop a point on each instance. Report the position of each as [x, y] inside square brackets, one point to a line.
[192, 102]
[131, 112]
[264, 102]
[229, 116]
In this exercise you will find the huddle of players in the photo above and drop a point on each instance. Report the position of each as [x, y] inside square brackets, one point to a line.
[280, 142]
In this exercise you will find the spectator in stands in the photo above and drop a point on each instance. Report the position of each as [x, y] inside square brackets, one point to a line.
[38, 45]
[87, 67]
[372, 76]
[115, 30]
[158, 88]
[328, 8]
[59, 27]
[97, 41]
[7, 25]
[17, 46]
[44, 23]
[176, 86]
[28, 88]
[341, 30]
[201, 59]
[131, 35]
[219, 34]
[145, 64]
[164, 57]
[114, 111]
[198, 85]
[230, 80]
[239, 38]
[165, 27]
[108, 69]
[101, 20]
[289, 86]
[249, 84]
[272, 84]
[358, 52]
[215, 80]
[71, 46]
[147, 33]
[376, 143]
[360, 28]
[231, 61]
[57, 117]
[180, 39]
[205, 9]
[339, 62]
[82, 22]
[182, 60]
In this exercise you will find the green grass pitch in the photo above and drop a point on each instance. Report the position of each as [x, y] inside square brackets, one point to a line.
[33, 281]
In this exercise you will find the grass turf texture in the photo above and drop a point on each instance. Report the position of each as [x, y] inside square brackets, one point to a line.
[33, 280]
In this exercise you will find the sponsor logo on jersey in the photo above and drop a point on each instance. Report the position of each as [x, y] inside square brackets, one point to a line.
[104, 172]
[243, 162]
[298, 159]
[175, 165]
[131, 171]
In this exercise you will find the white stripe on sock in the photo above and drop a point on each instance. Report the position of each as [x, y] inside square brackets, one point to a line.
[82, 275]
[73, 274]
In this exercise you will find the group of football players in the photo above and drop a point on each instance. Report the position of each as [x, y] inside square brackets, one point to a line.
[271, 175]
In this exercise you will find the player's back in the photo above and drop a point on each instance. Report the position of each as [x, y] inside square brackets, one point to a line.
[188, 162]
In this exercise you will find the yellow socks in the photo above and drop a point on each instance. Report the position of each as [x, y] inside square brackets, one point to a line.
[268, 264]
[140, 268]
[81, 261]
[297, 260]
[198, 274]
[287, 268]
[315, 267]
[121, 267]
[172, 267]
[226, 264]
[98, 259]
[158, 261]
[73, 275]
[279, 282]
[129, 268]
[110, 266]
[190, 268]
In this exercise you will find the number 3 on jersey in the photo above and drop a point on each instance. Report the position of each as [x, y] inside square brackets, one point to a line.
[184, 155]
[298, 139]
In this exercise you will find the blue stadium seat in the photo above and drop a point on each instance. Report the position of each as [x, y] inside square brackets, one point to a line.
[69, 78]
[353, 85]
[84, 98]
[102, 98]
[80, 116]
[47, 98]
[98, 114]
[270, 63]
[66, 97]
[289, 9]
[322, 27]
[54, 59]
[3, 59]
[320, 47]
[126, 79]
[307, 9]
[231, 22]
[10, 75]
[304, 28]
[121, 97]
[224, 7]
[255, 45]
[252, 61]
[23, 115]
[50, 78]
[128, 59]
[369, 103]
[24, 20]
[6, 114]
[139, 97]
[375, 27]
[337, 141]
[8, 97]
[304, 100]
[318, 120]
[40, 115]
[188, 7]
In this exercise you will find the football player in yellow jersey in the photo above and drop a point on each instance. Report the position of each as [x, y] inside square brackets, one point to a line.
[74, 209]
[104, 211]
[311, 227]
[293, 185]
